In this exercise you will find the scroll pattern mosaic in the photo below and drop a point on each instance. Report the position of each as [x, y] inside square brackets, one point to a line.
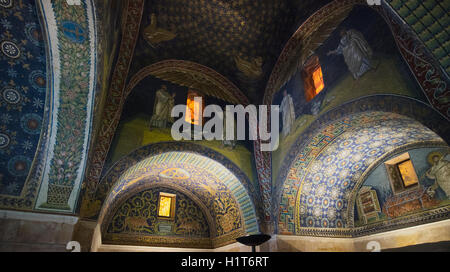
[219, 190]
[72, 47]
[137, 216]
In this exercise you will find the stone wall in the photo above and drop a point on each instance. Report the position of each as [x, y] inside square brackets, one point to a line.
[25, 231]
[429, 233]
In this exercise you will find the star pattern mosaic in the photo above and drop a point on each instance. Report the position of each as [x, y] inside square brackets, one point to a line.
[22, 92]
[214, 33]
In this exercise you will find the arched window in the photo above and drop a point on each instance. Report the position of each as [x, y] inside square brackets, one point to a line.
[195, 108]
[166, 206]
[402, 173]
[312, 78]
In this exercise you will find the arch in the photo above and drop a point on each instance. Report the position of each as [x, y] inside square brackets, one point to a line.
[411, 220]
[333, 174]
[191, 75]
[331, 126]
[145, 165]
[209, 242]
[422, 64]
[290, 58]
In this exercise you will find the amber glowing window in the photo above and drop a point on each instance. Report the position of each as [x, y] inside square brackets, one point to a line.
[407, 173]
[312, 76]
[166, 206]
[194, 108]
[401, 173]
[318, 80]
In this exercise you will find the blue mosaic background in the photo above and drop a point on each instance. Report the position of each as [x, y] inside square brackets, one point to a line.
[22, 92]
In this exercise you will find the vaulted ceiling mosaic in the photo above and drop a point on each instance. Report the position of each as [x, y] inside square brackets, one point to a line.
[209, 180]
[323, 176]
[241, 39]
[22, 92]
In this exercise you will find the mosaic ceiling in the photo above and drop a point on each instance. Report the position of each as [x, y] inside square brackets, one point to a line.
[196, 172]
[322, 177]
[430, 20]
[22, 92]
[212, 185]
[241, 39]
[328, 187]
[46, 95]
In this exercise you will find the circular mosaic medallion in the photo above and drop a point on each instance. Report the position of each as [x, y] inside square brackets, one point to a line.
[310, 221]
[37, 80]
[73, 31]
[332, 181]
[346, 143]
[4, 140]
[19, 165]
[310, 200]
[339, 205]
[6, 3]
[345, 183]
[34, 34]
[11, 95]
[31, 123]
[317, 178]
[10, 49]
[329, 160]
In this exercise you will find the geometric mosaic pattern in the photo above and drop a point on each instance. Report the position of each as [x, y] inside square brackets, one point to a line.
[327, 187]
[430, 20]
[311, 170]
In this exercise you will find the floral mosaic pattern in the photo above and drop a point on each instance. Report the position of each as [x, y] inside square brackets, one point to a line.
[45, 119]
[72, 104]
[22, 94]
[221, 193]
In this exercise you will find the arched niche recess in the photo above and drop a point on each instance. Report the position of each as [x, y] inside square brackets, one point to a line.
[223, 193]
[329, 162]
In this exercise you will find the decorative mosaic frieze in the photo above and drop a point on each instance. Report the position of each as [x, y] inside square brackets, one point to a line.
[72, 49]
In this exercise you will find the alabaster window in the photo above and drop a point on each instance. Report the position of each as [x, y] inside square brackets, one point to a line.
[194, 108]
[312, 78]
[166, 206]
[401, 173]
